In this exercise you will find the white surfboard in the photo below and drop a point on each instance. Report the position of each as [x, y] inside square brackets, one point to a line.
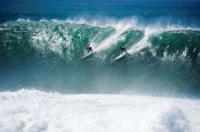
[87, 55]
[120, 56]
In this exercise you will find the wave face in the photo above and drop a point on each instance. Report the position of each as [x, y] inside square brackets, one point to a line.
[82, 113]
[47, 54]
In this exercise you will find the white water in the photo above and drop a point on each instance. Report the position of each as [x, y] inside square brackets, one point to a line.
[36, 111]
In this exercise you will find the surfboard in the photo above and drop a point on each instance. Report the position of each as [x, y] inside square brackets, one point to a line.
[87, 55]
[120, 56]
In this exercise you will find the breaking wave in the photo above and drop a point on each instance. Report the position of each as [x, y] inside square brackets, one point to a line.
[50, 51]
[67, 39]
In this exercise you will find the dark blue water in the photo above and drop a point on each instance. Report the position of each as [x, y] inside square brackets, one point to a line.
[63, 9]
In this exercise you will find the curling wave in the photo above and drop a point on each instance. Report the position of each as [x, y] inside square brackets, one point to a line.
[49, 52]
[67, 39]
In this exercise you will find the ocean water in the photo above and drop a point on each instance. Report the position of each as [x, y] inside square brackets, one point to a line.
[41, 46]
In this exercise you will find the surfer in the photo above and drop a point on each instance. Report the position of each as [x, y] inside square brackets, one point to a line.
[88, 48]
[123, 49]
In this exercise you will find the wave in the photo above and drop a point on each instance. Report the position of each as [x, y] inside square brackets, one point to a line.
[84, 112]
[47, 53]
[68, 38]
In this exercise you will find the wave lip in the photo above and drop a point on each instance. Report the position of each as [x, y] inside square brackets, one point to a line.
[32, 110]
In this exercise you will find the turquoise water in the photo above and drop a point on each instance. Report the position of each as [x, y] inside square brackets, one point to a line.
[41, 44]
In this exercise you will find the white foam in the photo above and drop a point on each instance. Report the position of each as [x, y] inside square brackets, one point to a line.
[110, 41]
[31, 111]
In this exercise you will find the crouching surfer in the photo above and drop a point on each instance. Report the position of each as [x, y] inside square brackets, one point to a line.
[123, 50]
[88, 48]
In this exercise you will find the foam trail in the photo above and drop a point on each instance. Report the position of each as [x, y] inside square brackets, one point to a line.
[139, 45]
[96, 113]
[107, 43]
[148, 32]
[113, 39]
